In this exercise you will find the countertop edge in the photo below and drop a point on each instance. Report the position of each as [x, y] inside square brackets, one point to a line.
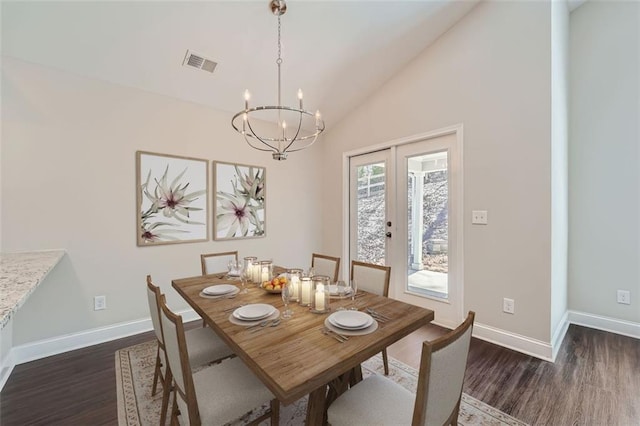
[24, 272]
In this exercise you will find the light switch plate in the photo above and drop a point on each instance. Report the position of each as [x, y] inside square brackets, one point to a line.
[479, 217]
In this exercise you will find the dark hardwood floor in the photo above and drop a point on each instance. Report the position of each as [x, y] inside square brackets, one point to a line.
[595, 381]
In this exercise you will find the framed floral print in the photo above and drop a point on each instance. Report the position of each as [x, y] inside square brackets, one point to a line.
[171, 193]
[239, 205]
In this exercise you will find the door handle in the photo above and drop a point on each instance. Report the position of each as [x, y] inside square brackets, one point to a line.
[388, 234]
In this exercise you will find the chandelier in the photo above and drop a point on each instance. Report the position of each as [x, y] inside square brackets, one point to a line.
[297, 128]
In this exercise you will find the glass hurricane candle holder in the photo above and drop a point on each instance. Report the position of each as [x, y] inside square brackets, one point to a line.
[306, 291]
[249, 263]
[295, 275]
[320, 298]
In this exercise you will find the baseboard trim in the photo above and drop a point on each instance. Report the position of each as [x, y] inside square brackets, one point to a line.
[617, 326]
[6, 367]
[54, 346]
[558, 336]
[517, 342]
[539, 349]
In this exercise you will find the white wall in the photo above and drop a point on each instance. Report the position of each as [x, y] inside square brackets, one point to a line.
[491, 72]
[604, 154]
[68, 181]
[559, 163]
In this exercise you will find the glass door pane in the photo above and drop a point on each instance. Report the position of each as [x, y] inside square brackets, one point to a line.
[368, 208]
[428, 224]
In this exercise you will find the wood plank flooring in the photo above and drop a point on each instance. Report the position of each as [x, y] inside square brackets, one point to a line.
[595, 381]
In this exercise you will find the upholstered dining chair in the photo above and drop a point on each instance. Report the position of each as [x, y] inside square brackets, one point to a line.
[215, 395]
[213, 263]
[374, 279]
[326, 265]
[380, 401]
[204, 346]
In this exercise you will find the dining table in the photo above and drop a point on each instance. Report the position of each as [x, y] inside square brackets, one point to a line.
[297, 357]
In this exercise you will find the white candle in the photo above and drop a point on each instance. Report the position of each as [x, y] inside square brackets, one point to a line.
[320, 298]
[255, 273]
[295, 283]
[265, 273]
[306, 291]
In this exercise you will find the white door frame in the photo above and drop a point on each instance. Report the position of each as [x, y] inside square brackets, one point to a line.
[456, 164]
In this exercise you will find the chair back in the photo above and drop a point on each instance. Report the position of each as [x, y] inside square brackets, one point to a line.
[154, 297]
[213, 263]
[326, 265]
[371, 278]
[178, 359]
[442, 369]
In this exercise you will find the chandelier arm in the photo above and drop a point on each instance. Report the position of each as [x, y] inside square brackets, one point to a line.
[254, 146]
[306, 146]
[295, 137]
[253, 134]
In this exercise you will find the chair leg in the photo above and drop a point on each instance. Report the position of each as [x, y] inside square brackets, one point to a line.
[156, 373]
[166, 391]
[174, 410]
[275, 412]
[385, 362]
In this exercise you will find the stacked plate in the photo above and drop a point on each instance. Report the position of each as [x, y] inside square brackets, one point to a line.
[253, 312]
[220, 290]
[350, 320]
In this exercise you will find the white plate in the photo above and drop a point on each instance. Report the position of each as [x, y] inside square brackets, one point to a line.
[333, 290]
[253, 312]
[352, 320]
[219, 290]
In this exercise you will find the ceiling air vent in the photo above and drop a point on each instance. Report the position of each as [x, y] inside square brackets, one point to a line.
[196, 60]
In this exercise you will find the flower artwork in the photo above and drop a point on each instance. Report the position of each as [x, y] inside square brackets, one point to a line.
[172, 199]
[239, 208]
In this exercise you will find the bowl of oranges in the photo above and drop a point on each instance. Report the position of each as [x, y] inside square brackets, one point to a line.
[275, 285]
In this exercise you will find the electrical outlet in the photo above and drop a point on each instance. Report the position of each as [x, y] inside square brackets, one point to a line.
[99, 303]
[508, 305]
[624, 297]
[479, 217]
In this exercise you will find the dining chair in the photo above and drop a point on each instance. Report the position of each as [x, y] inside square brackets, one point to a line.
[215, 395]
[326, 265]
[378, 400]
[213, 263]
[204, 346]
[373, 279]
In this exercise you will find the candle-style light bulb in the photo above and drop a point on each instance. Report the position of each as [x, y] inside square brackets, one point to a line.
[318, 116]
[284, 125]
[247, 96]
[300, 97]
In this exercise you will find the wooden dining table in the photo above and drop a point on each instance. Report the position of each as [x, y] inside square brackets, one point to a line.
[295, 358]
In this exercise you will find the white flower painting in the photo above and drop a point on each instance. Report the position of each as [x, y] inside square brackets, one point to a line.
[239, 209]
[172, 199]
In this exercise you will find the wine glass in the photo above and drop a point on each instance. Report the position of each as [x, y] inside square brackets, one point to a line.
[341, 286]
[354, 290]
[244, 278]
[286, 298]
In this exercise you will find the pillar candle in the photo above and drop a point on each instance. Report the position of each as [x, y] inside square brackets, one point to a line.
[255, 273]
[305, 297]
[320, 298]
[295, 287]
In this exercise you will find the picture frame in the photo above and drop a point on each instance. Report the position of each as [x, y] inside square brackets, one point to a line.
[239, 201]
[171, 199]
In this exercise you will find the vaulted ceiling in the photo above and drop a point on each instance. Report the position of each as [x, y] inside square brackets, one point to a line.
[338, 52]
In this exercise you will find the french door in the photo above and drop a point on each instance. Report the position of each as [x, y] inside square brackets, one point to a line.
[405, 211]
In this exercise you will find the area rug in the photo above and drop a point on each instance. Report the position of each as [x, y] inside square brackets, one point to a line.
[136, 406]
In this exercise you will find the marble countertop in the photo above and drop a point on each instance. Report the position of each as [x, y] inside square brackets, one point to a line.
[20, 275]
